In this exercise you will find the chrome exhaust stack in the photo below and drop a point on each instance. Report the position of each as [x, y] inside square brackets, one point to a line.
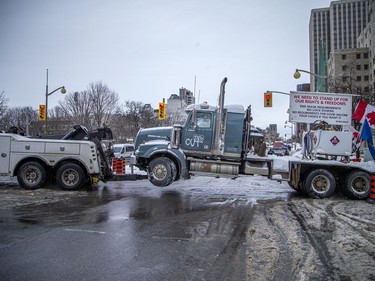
[219, 124]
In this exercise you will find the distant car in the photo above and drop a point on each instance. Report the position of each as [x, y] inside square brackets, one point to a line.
[279, 151]
[280, 145]
[123, 151]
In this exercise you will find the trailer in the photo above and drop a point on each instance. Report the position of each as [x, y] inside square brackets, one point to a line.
[217, 141]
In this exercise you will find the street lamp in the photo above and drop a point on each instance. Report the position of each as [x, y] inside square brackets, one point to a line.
[63, 91]
[291, 127]
[297, 75]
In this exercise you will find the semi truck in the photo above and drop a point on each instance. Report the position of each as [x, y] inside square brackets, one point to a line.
[217, 141]
[73, 160]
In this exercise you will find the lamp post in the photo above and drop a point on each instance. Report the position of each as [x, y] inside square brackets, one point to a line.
[291, 128]
[63, 91]
[297, 75]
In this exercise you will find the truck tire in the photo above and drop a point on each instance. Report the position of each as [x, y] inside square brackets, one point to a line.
[161, 171]
[357, 185]
[319, 183]
[31, 175]
[70, 176]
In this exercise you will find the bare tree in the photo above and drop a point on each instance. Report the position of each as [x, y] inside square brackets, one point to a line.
[128, 120]
[76, 107]
[148, 118]
[91, 108]
[3, 107]
[3, 103]
[104, 103]
[346, 83]
[132, 113]
[18, 117]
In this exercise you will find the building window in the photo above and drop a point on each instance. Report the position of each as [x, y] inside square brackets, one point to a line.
[358, 67]
[358, 56]
[358, 78]
[343, 67]
[367, 89]
[365, 55]
[365, 78]
[343, 56]
[365, 67]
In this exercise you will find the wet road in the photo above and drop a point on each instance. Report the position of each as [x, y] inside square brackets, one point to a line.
[193, 230]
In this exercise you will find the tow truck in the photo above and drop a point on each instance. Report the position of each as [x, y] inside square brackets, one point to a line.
[73, 160]
[216, 141]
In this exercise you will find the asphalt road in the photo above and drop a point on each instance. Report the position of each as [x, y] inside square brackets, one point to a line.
[208, 229]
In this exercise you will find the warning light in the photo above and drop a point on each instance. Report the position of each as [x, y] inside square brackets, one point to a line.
[162, 111]
[268, 99]
[42, 112]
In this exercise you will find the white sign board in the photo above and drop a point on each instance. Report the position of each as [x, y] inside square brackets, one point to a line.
[308, 107]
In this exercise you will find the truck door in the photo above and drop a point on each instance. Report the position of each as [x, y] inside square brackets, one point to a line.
[198, 136]
[4, 155]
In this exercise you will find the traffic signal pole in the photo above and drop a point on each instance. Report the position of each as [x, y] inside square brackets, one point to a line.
[277, 92]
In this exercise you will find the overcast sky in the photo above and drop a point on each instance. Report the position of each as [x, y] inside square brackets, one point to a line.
[145, 50]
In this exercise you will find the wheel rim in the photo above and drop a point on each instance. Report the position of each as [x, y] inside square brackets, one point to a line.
[360, 185]
[159, 171]
[320, 184]
[31, 175]
[70, 177]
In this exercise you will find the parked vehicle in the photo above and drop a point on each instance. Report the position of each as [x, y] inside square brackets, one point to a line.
[217, 140]
[279, 151]
[279, 148]
[123, 151]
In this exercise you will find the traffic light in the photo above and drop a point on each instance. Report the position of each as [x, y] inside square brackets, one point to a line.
[268, 99]
[42, 112]
[162, 111]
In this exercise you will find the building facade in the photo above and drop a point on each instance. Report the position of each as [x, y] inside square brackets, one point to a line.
[335, 28]
[366, 40]
[349, 71]
[176, 104]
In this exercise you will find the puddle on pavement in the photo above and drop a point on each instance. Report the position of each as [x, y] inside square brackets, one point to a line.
[169, 203]
[103, 204]
[120, 202]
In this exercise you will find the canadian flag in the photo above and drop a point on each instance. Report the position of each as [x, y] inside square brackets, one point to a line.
[364, 110]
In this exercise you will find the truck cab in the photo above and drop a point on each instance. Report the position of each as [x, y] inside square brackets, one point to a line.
[213, 140]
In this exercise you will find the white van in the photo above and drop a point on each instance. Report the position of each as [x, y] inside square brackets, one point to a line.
[123, 150]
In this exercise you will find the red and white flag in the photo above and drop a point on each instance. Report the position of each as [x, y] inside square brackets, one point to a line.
[364, 110]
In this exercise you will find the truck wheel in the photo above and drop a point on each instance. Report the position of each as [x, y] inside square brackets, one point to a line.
[357, 185]
[70, 176]
[31, 175]
[319, 183]
[161, 171]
